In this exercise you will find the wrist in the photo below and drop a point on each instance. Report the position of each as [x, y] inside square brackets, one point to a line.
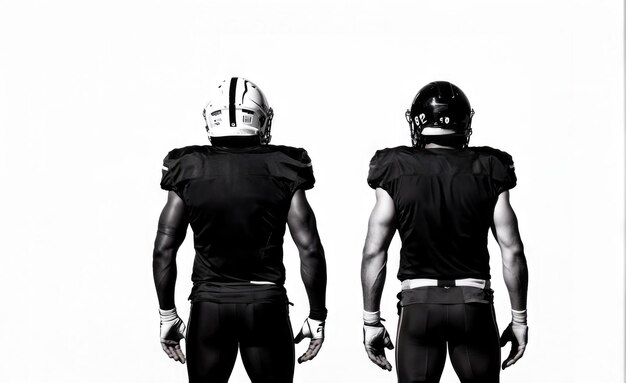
[318, 314]
[168, 315]
[519, 317]
[371, 318]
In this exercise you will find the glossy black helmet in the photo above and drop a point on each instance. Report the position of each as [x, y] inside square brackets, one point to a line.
[440, 105]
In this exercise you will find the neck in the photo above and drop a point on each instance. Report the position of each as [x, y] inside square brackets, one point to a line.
[236, 141]
[437, 146]
[446, 141]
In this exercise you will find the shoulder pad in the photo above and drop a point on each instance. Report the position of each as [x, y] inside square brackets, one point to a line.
[501, 165]
[180, 165]
[298, 164]
[499, 154]
[383, 165]
[295, 153]
[175, 154]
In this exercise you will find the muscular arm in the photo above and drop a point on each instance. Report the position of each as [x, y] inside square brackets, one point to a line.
[514, 266]
[380, 231]
[170, 235]
[303, 228]
[515, 277]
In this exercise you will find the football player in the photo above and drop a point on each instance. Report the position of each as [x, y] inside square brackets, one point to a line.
[443, 196]
[238, 195]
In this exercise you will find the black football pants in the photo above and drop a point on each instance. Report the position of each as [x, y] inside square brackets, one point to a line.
[261, 331]
[470, 332]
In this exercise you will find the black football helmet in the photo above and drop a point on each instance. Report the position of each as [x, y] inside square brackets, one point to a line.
[443, 105]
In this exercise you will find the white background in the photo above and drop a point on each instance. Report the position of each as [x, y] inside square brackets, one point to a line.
[94, 94]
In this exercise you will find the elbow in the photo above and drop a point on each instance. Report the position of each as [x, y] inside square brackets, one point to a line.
[369, 255]
[311, 252]
[372, 253]
[163, 254]
[515, 250]
[165, 247]
[313, 264]
[511, 247]
[513, 257]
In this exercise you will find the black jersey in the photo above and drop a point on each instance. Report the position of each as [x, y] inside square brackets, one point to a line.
[237, 200]
[444, 201]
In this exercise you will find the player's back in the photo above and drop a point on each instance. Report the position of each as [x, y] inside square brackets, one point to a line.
[237, 200]
[444, 201]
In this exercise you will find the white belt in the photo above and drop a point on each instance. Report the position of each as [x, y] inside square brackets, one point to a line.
[262, 283]
[424, 282]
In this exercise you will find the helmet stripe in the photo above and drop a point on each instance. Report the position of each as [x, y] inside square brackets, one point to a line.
[245, 90]
[231, 101]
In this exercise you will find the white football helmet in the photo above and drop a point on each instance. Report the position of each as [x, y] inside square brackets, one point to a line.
[238, 108]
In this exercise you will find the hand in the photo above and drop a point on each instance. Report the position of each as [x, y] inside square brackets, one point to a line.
[517, 334]
[376, 339]
[313, 329]
[172, 331]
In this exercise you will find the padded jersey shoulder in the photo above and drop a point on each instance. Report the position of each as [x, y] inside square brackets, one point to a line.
[190, 162]
[391, 163]
[501, 166]
[298, 154]
[500, 155]
[296, 166]
[178, 153]
[391, 153]
[181, 164]
[384, 166]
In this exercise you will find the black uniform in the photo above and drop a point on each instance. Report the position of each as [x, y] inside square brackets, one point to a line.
[444, 201]
[237, 201]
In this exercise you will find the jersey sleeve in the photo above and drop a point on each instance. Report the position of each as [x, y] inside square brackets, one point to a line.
[378, 174]
[179, 166]
[168, 172]
[503, 172]
[305, 178]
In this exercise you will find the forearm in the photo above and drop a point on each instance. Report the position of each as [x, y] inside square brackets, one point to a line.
[164, 270]
[313, 273]
[373, 274]
[171, 233]
[515, 273]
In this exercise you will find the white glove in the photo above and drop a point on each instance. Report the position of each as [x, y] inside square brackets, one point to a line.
[517, 334]
[311, 328]
[172, 331]
[314, 329]
[376, 339]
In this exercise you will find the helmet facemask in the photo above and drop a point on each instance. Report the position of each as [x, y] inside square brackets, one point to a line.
[265, 134]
